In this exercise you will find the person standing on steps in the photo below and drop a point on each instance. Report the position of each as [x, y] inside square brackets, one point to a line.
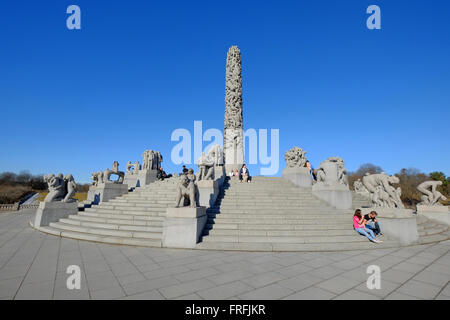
[372, 222]
[359, 224]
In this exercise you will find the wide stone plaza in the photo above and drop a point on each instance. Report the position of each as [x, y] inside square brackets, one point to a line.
[33, 266]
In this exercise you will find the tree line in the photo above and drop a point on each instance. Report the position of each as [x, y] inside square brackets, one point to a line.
[14, 187]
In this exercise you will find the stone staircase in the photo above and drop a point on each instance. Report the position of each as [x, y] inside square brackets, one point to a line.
[268, 214]
[135, 218]
[360, 201]
[271, 214]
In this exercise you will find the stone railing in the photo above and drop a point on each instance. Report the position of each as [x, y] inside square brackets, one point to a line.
[16, 206]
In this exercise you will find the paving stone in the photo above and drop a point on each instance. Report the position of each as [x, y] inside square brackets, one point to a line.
[222, 278]
[36, 291]
[130, 278]
[9, 287]
[400, 296]
[108, 294]
[196, 274]
[262, 280]
[186, 288]
[434, 278]
[270, 292]
[300, 282]
[419, 289]
[225, 291]
[338, 284]
[311, 293]
[356, 295]
[149, 295]
[147, 285]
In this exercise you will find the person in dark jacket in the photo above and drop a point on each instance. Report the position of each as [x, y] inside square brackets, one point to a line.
[244, 174]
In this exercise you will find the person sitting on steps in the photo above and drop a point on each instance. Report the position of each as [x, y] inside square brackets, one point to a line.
[372, 222]
[359, 224]
[244, 174]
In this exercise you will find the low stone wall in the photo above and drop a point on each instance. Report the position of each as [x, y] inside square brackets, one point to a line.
[16, 206]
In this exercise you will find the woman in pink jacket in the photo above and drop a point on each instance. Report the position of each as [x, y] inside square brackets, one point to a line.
[359, 226]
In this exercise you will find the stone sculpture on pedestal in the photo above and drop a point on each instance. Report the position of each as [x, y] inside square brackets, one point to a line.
[97, 178]
[382, 193]
[186, 191]
[431, 195]
[295, 158]
[233, 143]
[59, 202]
[115, 170]
[207, 163]
[332, 183]
[151, 160]
[295, 171]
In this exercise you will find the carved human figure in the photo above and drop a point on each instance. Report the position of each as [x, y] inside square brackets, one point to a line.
[128, 167]
[136, 167]
[359, 187]
[56, 189]
[332, 172]
[295, 158]
[206, 163]
[431, 195]
[372, 181]
[186, 191]
[71, 188]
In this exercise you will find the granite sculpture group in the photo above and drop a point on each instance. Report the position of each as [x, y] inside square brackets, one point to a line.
[185, 219]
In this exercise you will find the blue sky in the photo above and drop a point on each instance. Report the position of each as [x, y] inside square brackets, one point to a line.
[73, 101]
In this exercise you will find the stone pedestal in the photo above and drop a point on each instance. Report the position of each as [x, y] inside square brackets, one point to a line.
[399, 224]
[219, 174]
[208, 190]
[105, 191]
[142, 178]
[337, 196]
[437, 213]
[53, 211]
[301, 177]
[183, 226]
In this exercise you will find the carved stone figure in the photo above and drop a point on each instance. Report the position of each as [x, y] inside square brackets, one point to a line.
[71, 187]
[186, 191]
[358, 186]
[233, 142]
[378, 185]
[206, 163]
[128, 167]
[332, 172]
[431, 195]
[97, 178]
[295, 157]
[60, 188]
[115, 170]
[135, 166]
[151, 160]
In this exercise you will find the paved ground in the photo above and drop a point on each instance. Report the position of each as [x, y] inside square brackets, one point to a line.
[33, 266]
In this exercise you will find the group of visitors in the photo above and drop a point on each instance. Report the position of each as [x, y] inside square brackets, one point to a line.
[243, 174]
[161, 175]
[367, 225]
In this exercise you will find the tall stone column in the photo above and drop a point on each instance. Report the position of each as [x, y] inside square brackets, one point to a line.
[233, 143]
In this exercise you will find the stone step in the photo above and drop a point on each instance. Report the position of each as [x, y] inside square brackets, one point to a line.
[285, 239]
[102, 238]
[279, 233]
[149, 212]
[111, 226]
[121, 216]
[279, 247]
[106, 232]
[134, 222]
[298, 220]
[303, 226]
